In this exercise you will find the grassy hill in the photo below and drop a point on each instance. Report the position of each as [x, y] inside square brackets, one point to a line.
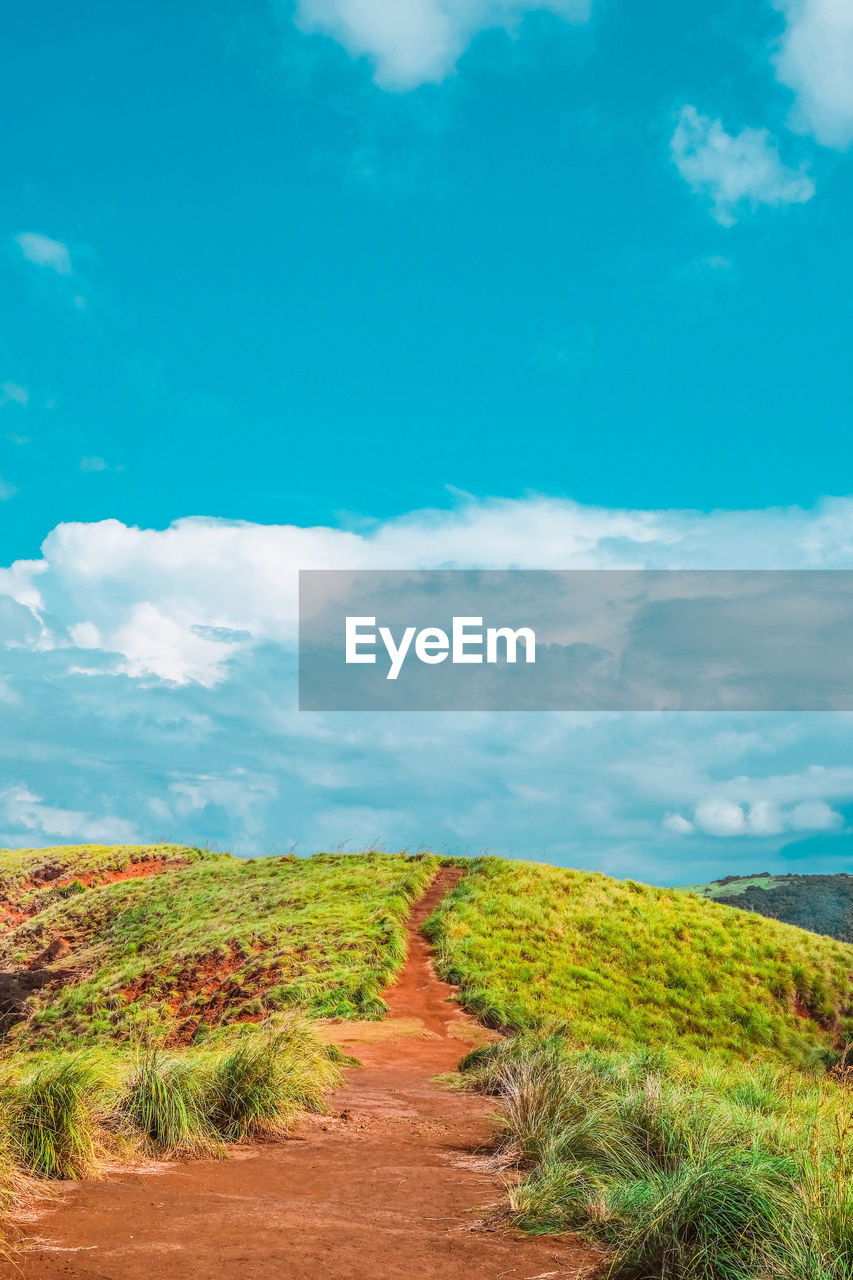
[622, 964]
[31, 879]
[206, 939]
[820, 903]
[109, 941]
[651, 1098]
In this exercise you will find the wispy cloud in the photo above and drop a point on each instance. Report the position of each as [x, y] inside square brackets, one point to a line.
[21, 809]
[7, 491]
[414, 42]
[815, 60]
[735, 171]
[13, 393]
[42, 251]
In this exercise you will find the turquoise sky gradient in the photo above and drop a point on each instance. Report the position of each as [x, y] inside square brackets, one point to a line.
[423, 275]
[498, 282]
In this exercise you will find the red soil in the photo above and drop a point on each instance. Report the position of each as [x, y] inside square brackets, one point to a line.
[13, 912]
[389, 1186]
[209, 991]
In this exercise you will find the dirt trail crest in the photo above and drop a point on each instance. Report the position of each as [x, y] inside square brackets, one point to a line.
[388, 1187]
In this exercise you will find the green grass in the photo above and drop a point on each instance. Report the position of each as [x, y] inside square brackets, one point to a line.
[621, 964]
[220, 941]
[163, 1101]
[65, 1114]
[665, 1092]
[684, 1171]
[52, 1118]
[29, 877]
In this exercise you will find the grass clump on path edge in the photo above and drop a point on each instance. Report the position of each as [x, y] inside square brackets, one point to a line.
[68, 1115]
[163, 1102]
[256, 1088]
[685, 1172]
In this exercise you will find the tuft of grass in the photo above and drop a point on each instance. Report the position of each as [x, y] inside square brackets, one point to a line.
[716, 1216]
[163, 1100]
[256, 1089]
[63, 1114]
[53, 1118]
[686, 1171]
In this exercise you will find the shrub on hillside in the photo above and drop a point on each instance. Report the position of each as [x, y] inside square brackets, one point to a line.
[163, 1101]
[256, 1088]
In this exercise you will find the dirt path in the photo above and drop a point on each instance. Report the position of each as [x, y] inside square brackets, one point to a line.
[387, 1188]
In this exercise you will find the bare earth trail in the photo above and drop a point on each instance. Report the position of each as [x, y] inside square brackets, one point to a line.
[386, 1188]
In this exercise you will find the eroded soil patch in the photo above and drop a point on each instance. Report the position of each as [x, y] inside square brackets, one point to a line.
[386, 1186]
[27, 899]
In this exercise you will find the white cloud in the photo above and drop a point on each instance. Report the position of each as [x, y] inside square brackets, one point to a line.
[413, 42]
[678, 823]
[814, 815]
[7, 491]
[94, 463]
[180, 603]
[168, 698]
[815, 59]
[735, 171]
[720, 815]
[169, 646]
[22, 810]
[85, 635]
[13, 393]
[44, 252]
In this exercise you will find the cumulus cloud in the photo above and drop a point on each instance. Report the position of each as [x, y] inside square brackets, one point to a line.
[770, 806]
[721, 817]
[815, 60]
[735, 171]
[181, 603]
[151, 674]
[44, 252]
[413, 42]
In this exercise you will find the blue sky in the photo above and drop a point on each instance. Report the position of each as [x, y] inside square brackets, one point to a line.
[420, 275]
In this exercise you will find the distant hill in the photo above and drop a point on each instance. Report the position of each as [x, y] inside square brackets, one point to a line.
[821, 904]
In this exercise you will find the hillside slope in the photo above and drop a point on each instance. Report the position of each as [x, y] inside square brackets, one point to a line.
[109, 942]
[32, 879]
[216, 941]
[622, 964]
[821, 903]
